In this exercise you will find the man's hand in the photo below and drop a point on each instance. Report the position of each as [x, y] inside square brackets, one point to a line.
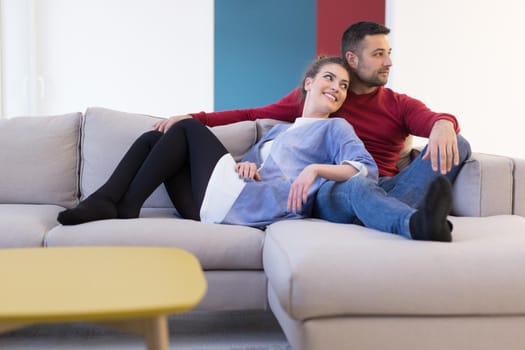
[442, 146]
[299, 189]
[165, 124]
[247, 170]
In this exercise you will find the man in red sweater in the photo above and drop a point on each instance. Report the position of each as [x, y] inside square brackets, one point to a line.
[383, 119]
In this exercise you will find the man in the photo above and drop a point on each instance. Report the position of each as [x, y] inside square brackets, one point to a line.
[382, 119]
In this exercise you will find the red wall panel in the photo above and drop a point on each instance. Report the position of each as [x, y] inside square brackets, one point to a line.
[334, 16]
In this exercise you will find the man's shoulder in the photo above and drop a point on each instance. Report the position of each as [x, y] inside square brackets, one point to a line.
[399, 96]
[381, 93]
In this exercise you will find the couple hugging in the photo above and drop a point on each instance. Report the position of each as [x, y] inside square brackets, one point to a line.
[336, 161]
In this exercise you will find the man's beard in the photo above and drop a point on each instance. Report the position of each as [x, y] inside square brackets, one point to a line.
[373, 82]
[378, 80]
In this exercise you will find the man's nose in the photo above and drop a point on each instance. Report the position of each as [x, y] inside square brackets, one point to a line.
[388, 61]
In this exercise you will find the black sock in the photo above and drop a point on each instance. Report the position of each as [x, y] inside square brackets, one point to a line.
[91, 209]
[429, 222]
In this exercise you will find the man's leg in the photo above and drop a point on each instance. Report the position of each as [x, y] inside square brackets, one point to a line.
[429, 222]
[410, 185]
[360, 200]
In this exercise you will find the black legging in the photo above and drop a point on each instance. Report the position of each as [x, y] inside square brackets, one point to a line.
[183, 159]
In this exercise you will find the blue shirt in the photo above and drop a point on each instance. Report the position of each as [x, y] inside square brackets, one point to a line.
[326, 141]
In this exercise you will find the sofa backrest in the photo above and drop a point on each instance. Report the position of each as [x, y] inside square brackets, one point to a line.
[39, 160]
[107, 134]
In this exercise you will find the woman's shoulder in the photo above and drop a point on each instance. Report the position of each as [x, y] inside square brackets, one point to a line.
[340, 122]
[340, 128]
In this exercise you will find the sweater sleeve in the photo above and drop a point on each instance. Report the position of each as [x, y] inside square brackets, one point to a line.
[420, 119]
[286, 109]
[351, 150]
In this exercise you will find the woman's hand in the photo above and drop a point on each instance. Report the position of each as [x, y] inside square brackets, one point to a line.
[165, 124]
[247, 170]
[299, 189]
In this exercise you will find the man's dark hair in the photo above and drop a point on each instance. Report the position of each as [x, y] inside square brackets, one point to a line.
[354, 35]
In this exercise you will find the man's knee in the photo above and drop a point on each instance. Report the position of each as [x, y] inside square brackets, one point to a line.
[344, 188]
[334, 200]
[463, 149]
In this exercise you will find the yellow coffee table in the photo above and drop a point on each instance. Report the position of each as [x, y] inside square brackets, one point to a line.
[128, 288]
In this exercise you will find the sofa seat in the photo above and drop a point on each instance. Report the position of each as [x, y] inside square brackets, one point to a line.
[25, 225]
[319, 270]
[231, 256]
[359, 271]
[218, 247]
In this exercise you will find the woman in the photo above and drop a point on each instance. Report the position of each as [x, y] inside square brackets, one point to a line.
[276, 179]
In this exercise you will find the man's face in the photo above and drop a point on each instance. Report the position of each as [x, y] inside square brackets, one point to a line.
[373, 61]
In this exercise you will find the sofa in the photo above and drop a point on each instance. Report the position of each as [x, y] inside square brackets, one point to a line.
[330, 286]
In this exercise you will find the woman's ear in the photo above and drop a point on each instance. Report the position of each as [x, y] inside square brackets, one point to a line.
[307, 84]
[352, 59]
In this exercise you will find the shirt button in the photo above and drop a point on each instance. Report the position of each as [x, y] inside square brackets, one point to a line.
[283, 177]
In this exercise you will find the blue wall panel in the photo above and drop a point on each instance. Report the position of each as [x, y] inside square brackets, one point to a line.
[262, 48]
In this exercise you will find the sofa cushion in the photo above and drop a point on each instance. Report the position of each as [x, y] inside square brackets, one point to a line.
[24, 225]
[321, 269]
[107, 135]
[264, 125]
[218, 247]
[39, 159]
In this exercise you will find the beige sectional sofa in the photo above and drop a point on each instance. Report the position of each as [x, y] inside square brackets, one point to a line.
[331, 286]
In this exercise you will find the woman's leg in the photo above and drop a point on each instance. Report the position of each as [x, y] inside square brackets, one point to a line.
[181, 194]
[184, 158]
[101, 204]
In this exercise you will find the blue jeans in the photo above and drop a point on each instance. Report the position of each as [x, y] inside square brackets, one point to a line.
[388, 204]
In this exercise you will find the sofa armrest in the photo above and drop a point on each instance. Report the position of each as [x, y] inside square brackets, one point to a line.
[485, 186]
[519, 187]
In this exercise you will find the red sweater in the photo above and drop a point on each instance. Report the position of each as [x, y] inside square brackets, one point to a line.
[382, 119]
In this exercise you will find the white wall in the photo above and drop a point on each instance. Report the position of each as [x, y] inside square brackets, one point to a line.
[466, 58]
[16, 25]
[147, 56]
[156, 57]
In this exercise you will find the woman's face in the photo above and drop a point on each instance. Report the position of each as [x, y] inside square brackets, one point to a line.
[326, 92]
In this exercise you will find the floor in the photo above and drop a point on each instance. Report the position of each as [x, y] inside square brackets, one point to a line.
[241, 330]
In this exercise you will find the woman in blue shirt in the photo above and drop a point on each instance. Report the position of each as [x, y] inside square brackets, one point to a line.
[276, 180]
